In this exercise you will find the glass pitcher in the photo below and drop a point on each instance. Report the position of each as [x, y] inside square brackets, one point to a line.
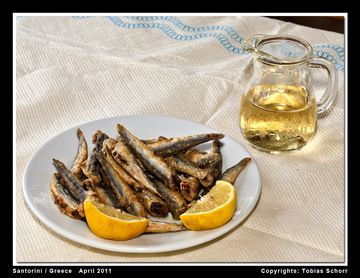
[278, 110]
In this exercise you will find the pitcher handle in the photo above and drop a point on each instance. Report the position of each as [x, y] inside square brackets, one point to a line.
[332, 86]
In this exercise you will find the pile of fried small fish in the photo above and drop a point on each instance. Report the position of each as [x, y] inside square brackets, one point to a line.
[141, 177]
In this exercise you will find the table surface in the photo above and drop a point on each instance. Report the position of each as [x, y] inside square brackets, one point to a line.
[72, 70]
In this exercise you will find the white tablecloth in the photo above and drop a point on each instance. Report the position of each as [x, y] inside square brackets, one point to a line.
[71, 70]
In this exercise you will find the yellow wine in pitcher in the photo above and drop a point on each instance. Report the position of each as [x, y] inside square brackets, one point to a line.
[278, 117]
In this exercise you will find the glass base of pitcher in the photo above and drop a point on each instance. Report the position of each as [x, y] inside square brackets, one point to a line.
[277, 147]
[277, 151]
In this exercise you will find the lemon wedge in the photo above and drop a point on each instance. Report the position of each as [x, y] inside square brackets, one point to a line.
[213, 210]
[110, 223]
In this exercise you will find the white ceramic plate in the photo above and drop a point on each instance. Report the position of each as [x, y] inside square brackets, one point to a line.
[64, 146]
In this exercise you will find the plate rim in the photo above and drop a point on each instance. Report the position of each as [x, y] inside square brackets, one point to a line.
[131, 249]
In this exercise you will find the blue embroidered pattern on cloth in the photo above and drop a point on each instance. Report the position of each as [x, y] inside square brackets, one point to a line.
[225, 35]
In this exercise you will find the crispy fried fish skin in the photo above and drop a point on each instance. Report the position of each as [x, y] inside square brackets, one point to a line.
[184, 166]
[174, 145]
[201, 159]
[154, 205]
[155, 140]
[213, 168]
[189, 188]
[217, 166]
[109, 144]
[172, 198]
[163, 227]
[233, 172]
[104, 178]
[81, 155]
[106, 195]
[215, 147]
[205, 176]
[63, 199]
[73, 184]
[92, 166]
[151, 162]
[98, 138]
[121, 189]
[91, 171]
[208, 180]
[120, 170]
[124, 157]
